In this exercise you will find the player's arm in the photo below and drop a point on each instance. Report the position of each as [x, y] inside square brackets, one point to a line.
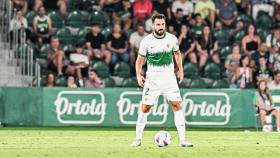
[178, 58]
[140, 61]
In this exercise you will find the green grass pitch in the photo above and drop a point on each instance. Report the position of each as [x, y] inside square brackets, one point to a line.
[93, 142]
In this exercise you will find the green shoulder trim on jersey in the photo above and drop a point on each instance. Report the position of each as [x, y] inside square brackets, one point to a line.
[160, 58]
[158, 37]
[142, 55]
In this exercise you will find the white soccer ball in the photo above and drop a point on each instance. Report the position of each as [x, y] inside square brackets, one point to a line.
[162, 138]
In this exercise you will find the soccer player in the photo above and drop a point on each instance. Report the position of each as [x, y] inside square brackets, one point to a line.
[158, 49]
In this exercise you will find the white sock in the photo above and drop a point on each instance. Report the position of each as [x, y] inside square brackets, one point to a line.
[140, 124]
[179, 120]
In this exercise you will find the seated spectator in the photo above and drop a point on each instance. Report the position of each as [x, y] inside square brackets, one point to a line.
[197, 26]
[117, 43]
[238, 27]
[134, 41]
[95, 43]
[55, 59]
[226, 11]
[18, 23]
[244, 75]
[261, 52]
[93, 80]
[37, 4]
[232, 63]
[261, 5]
[275, 84]
[273, 41]
[61, 5]
[42, 26]
[20, 5]
[277, 12]
[177, 21]
[263, 101]
[207, 47]
[185, 5]
[50, 80]
[126, 15]
[206, 8]
[187, 44]
[81, 62]
[164, 8]
[71, 81]
[251, 41]
[110, 6]
[142, 9]
[262, 72]
[244, 6]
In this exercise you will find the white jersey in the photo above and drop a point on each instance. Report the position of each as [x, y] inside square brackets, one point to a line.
[159, 53]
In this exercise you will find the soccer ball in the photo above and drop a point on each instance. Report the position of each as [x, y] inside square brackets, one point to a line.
[162, 138]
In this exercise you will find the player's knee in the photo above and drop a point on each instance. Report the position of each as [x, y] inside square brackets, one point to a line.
[176, 105]
[146, 109]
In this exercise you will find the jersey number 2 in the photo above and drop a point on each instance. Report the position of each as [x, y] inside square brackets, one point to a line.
[147, 90]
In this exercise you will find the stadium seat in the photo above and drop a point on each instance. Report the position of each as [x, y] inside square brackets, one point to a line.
[71, 5]
[106, 31]
[238, 36]
[130, 82]
[101, 69]
[68, 49]
[81, 38]
[197, 83]
[64, 35]
[75, 19]
[212, 71]
[44, 51]
[264, 21]
[263, 34]
[191, 70]
[224, 52]
[61, 81]
[98, 17]
[220, 84]
[246, 19]
[30, 15]
[109, 82]
[122, 69]
[56, 19]
[223, 37]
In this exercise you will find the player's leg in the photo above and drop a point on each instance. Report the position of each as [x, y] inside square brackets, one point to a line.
[276, 114]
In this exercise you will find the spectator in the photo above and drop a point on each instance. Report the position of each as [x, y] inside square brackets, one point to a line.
[275, 84]
[37, 5]
[187, 44]
[177, 21]
[277, 13]
[185, 5]
[126, 15]
[71, 82]
[18, 23]
[95, 43]
[198, 26]
[110, 5]
[262, 5]
[20, 5]
[50, 82]
[142, 9]
[251, 41]
[206, 8]
[239, 26]
[244, 75]
[262, 52]
[93, 80]
[149, 24]
[55, 59]
[226, 11]
[81, 62]
[61, 5]
[273, 41]
[207, 46]
[262, 72]
[42, 26]
[117, 43]
[134, 41]
[163, 6]
[263, 101]
[232, 63]
[244, 7]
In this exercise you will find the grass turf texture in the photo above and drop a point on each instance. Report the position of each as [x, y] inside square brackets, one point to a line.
[87, 142]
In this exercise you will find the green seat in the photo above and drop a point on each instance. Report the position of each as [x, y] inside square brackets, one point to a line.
[238, 36]
[122, 69]
[98, 17]
[61, 82]
[56, 19]
[246, 19]
[109, 82]
[102, 69]
[71, 5]
[191, 70]
[75, 19]
[44, 51]
[106, 31]
[224, 52]
[264, 21]
[130, 82]
[81, 38]
[223, 37]
[263, 34]
[64, 35]
[220, 84]
[30, 15]
[197, 83]
[68, 49]
[212, 71]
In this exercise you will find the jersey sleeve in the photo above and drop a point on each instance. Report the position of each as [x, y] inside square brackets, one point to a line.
[143, 48]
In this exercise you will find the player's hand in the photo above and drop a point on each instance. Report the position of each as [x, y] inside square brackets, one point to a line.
[180, 75]
[140, 80]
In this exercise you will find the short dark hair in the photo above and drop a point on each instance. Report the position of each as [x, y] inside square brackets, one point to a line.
[94, 24]
[157, 16]
[179, 10]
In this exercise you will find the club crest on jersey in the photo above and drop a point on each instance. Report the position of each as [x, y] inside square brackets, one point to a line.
[168, 45]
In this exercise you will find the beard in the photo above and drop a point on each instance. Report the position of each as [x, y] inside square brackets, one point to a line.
[159, 32]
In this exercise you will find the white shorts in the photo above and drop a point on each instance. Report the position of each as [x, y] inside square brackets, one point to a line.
[156, 85]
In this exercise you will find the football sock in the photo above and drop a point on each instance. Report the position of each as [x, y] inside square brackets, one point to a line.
[140, 124]
[180, 124]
